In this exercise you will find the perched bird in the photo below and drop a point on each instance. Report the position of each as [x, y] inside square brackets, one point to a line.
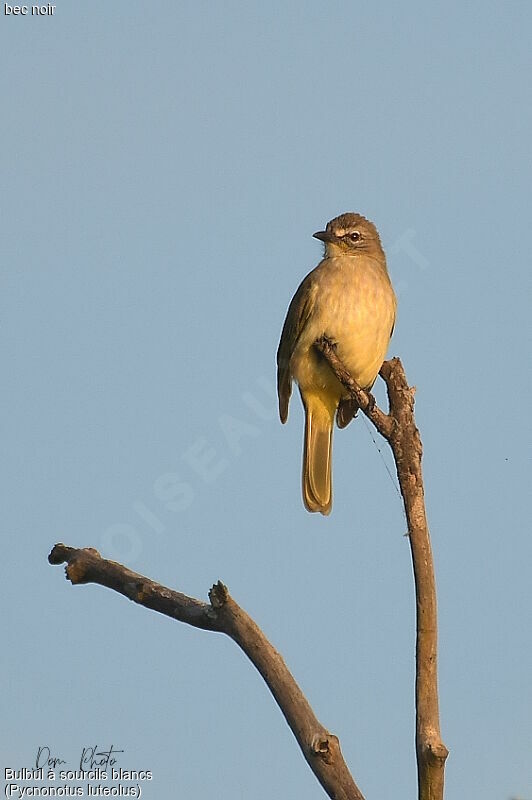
[349, 299]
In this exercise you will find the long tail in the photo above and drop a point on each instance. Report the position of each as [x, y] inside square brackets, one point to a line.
[317, 451]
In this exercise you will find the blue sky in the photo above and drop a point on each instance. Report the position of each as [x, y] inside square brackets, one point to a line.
[163, 170]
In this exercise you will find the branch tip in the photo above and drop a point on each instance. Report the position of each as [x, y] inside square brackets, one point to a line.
[218, 595]
[58, 554]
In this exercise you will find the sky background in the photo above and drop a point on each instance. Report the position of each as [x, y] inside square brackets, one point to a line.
[163, 168]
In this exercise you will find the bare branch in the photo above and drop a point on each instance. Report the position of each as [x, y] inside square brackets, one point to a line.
[399, 429]
[320, 748]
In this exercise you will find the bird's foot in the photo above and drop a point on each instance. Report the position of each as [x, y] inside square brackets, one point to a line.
[326, 341]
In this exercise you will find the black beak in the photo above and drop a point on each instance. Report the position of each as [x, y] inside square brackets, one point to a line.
[325, 236]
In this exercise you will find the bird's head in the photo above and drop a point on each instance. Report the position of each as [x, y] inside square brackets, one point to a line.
[350, 234]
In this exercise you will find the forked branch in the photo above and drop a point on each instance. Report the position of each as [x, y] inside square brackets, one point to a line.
[223, 615]
[320, 748]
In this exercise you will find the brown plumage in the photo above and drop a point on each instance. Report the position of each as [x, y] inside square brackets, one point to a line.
[349, 299]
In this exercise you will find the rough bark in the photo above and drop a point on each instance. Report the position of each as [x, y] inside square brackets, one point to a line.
[320, 748]
[399, 428]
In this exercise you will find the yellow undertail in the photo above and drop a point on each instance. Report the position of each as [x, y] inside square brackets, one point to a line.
[317, 452]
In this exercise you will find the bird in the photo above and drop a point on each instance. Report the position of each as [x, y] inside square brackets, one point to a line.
[349, 299]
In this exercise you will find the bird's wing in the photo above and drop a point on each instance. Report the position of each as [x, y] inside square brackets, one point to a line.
[296, 318]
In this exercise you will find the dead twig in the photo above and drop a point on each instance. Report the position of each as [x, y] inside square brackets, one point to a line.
[320, 748]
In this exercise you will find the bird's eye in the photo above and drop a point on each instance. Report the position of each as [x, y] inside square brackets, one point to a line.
[355, 236]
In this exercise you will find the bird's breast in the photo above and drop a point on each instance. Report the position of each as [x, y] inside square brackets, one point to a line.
[354, 306]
